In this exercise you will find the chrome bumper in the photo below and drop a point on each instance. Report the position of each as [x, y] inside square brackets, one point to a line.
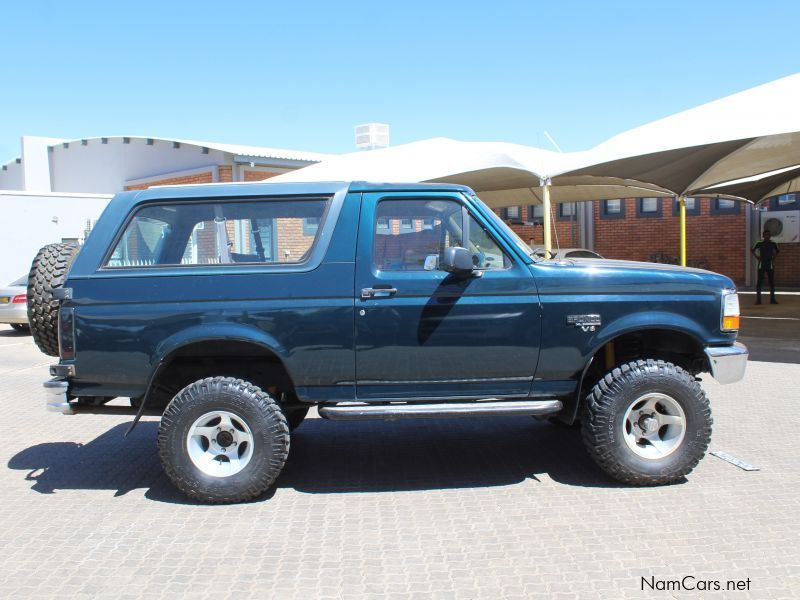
[56, 396]
[727, 363]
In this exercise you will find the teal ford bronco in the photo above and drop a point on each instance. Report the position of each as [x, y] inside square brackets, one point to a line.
[231, 310]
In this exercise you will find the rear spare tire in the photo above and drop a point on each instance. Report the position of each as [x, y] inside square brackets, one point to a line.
[48, 272]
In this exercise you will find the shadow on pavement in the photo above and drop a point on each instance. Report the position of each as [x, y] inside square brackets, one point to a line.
[328, 458]
[13, 333]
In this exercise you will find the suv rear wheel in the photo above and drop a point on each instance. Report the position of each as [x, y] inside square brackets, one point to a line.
[223, 440]
[647, 423]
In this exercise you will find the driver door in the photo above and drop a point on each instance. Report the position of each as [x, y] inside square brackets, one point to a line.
[423, 333]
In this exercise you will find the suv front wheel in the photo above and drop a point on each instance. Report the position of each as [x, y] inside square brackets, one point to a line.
[223, 440]
[647, 423]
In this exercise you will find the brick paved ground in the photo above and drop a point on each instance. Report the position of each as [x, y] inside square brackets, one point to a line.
[463, 509]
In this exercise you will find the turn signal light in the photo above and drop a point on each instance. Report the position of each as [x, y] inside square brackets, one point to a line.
[21, 299]
[730, 323]
[730, 310]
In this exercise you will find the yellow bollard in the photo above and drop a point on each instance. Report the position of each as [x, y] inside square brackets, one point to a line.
[682, 210]
[548, 245]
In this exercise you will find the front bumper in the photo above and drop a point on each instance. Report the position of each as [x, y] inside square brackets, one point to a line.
[727, 363]
[57, 399]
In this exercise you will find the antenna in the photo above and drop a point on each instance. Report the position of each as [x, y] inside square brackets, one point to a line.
[552, 216]
[552, 141]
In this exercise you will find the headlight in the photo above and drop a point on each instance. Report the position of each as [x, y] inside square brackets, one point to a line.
[730, 310]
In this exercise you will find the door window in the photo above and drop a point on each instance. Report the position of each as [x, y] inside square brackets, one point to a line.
[411, 235]
[486, 254]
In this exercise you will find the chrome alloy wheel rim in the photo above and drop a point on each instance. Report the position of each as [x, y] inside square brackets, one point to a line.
[220, 443]
[654, 426]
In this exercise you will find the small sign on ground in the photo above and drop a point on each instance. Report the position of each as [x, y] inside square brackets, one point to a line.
[734, 461]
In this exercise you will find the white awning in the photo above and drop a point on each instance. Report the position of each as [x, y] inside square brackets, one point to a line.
[750, 133]
[746, 134]
[502, 174]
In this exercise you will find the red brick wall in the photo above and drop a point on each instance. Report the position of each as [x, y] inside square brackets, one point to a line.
[568, 232]
[787, 266]
[291, 238]
[225, 173]
[714, 242]
[204, 177]
[258, 175]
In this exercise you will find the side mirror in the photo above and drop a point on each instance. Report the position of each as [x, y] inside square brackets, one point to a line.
[457, 261]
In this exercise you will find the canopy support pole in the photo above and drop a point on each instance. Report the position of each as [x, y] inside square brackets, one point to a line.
[682, 210]
[546, 220]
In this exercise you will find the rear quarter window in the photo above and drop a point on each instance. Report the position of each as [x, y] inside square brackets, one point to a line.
[265, 231]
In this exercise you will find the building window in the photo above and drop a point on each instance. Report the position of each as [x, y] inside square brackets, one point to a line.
[536, 213]
[692, 207]
[512, 213]
[724, 206]
[567, 210]
[785, 202]
[648, 207]
[310, 225]
[613, 209]
[406, 225]
[383, 226]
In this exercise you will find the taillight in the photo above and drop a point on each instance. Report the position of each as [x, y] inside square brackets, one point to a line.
[21, 299]
[66, 333]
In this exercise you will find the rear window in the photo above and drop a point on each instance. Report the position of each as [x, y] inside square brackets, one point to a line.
[275, 231]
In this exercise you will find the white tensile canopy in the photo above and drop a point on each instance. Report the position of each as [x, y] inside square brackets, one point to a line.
[752, 134]
[743, 146]
[504, 174]
[746, 134]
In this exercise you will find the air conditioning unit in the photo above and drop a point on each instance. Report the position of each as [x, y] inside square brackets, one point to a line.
[371, 136]
[784, 225]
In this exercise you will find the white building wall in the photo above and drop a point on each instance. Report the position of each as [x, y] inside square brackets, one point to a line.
[104, 168]
[36, 163]
[11, 177]
[35, 220]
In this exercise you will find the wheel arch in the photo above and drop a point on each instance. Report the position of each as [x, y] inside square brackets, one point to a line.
[216, 350]
[668, 341]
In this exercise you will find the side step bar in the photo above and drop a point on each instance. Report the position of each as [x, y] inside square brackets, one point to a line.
[389, 412]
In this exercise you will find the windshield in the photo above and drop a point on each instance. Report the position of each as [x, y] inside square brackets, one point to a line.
[523, 247]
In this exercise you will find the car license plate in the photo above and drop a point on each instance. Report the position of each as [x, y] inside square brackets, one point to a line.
[5, 299]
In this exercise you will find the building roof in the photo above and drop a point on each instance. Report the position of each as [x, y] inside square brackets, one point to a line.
[235, 149]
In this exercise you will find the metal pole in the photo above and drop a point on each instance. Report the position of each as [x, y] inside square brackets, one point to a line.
[548, 246]
[748, 243]
[682, 207]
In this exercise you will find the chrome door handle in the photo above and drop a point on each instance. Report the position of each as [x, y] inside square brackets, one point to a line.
[383, 292]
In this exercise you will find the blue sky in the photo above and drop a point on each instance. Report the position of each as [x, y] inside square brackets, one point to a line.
[302, 74]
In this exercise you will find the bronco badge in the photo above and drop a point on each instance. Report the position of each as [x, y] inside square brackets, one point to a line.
[585, 322]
